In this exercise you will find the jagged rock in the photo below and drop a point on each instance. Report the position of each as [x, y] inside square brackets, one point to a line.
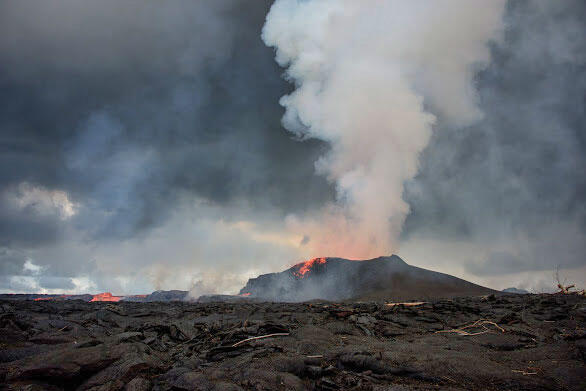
[192, 381]
[270, 380]
[130, 336]
[8, 355]
[190, 345]
[138, 384]
[121, 372]
[68, 365]
[361, 362]
[366, 320]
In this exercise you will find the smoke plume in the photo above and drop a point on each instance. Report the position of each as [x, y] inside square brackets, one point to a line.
[371, 78]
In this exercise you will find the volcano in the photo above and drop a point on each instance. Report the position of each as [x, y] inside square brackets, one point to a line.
[373, 279]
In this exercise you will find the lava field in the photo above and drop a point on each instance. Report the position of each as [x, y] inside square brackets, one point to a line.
[492, 342]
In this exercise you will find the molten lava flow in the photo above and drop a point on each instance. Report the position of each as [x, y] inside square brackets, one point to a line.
[245, 294]
[106, 296]
[304, 267]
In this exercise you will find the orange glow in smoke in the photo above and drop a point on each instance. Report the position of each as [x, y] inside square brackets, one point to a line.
[245, 294]
[106, 296]
[304, 267]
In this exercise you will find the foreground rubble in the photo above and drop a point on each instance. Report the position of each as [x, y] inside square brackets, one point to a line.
[514, 342]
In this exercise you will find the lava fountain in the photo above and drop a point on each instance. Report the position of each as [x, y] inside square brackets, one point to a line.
[106, 296]
[301, 269]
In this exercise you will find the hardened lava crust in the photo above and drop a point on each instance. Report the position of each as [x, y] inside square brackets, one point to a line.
[491, 342]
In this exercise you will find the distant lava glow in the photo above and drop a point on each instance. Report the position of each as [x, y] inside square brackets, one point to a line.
[304, 267]
[245, 294]
[106, 296]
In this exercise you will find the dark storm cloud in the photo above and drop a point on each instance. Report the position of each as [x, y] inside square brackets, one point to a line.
[11, 262]
[130, 106]
[49, 282]
[9, 284]
[518, 175]
[26, 228]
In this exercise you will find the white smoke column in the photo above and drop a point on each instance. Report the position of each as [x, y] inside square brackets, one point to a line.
[363, 69]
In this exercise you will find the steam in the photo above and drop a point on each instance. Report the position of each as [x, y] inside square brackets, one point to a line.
[371, 77]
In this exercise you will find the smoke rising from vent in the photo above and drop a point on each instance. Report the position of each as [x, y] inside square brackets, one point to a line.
[371, 78]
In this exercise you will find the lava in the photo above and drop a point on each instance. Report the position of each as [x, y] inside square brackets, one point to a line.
[304, 267]
[106, 296]
[245, 294]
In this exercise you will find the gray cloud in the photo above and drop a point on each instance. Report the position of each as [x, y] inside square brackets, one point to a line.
[129, 106]
[516, 177]
[49, 282]
[11, 262]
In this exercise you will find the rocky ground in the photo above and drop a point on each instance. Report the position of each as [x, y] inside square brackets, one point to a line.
[511, 342]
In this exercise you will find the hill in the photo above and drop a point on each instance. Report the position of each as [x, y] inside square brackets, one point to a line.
[343, 279]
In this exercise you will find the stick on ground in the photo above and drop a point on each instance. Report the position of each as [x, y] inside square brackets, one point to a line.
[260, 337]
[479, 323]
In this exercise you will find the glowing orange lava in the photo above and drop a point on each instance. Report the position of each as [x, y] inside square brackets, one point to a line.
[245, 294]
[304, 267]
[106, 296]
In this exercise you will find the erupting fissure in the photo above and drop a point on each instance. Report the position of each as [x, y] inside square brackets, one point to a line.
[304, 267]
[106, 296]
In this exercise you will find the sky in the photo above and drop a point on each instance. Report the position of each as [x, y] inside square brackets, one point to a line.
[188, 145]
